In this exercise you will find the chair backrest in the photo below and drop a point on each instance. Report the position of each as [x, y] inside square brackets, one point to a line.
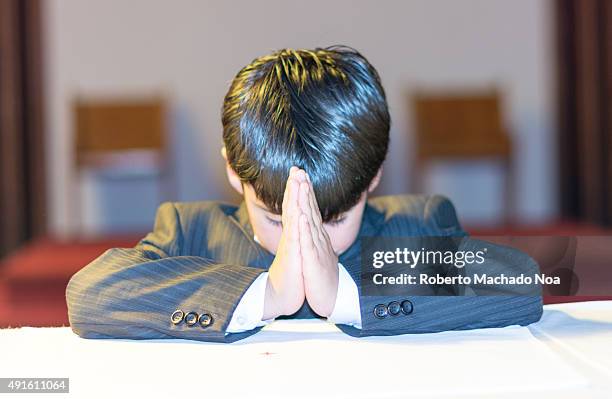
[115, 126]
[459, 126]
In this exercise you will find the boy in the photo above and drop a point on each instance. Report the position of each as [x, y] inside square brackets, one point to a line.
[305, 135]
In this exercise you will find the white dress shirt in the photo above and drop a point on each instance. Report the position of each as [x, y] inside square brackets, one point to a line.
[249, 311]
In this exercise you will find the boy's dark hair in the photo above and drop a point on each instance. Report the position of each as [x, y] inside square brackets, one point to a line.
[323, 110]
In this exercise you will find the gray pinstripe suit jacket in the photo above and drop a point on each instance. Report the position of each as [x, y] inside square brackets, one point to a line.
[201, 257]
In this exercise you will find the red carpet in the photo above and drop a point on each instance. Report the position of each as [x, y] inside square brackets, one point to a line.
[33, 278]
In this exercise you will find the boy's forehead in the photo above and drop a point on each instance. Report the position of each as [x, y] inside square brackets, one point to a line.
[253, 198]
[261, 205]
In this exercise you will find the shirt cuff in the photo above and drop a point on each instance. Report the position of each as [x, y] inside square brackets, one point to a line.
[249, 311]
[347, 309]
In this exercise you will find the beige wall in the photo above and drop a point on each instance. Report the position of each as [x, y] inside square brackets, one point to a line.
[190, 50]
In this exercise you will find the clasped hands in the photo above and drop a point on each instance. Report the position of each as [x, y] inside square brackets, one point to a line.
[305, 266]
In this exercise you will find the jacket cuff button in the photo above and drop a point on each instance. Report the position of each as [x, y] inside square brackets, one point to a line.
[394, 308]
[407, 307]
[205, 320]
[177, 316]
[380, 311]
[191, 319]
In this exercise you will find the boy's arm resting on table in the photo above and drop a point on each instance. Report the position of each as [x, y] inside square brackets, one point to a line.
[392, 315]
[150, 291]
[444, 313]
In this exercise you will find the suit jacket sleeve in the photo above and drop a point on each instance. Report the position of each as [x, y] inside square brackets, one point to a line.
[133, 292]
[434, 313]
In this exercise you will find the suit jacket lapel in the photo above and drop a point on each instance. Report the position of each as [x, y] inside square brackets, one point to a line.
[371, 224]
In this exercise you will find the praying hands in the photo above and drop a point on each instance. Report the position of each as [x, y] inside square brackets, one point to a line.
[305, 266]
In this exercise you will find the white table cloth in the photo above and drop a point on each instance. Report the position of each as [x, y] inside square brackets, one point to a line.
[567, 354]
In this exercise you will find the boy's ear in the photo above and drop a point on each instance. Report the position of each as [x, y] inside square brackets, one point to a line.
[375, 180]
[232, 177]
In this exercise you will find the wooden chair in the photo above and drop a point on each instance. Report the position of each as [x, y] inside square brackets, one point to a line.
[122, 138]
[461, 126]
